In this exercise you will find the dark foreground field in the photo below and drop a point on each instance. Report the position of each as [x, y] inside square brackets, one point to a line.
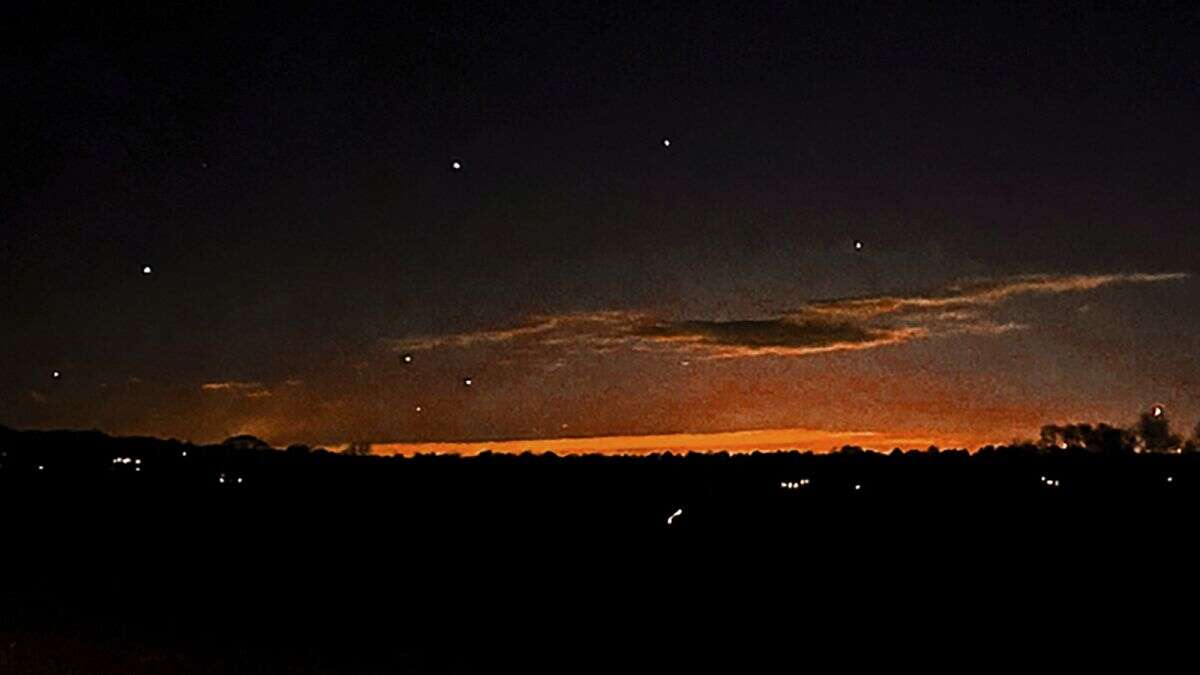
[319, 563]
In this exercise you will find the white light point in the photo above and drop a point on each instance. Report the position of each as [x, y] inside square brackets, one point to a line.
[456, 165]
[418, 408]
[239, 480]
[407, 358]
[146, 270]
[671, 518]
[857, 486]
[183, 453]
[858, 245]
[1170, 479]
[56, 374]
[41, 467]
[1157, 411]
[468, 381]
[666, 142]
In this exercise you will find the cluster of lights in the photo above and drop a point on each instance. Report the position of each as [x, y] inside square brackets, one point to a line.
[1051, 482]
[222, 479]
[795, 484]
[136, 462]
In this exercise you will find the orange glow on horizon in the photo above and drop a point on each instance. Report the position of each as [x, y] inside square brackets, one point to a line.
[731, 441]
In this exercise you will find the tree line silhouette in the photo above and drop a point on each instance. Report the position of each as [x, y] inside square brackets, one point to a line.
[292, 548]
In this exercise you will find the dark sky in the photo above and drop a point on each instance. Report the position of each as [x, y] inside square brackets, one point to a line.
[1023, 180]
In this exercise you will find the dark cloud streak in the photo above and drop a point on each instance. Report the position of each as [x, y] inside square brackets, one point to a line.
[815, 328]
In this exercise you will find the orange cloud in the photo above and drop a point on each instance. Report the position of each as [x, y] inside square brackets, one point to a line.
[815, 328]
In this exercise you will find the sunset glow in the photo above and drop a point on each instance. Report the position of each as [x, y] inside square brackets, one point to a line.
[734, 441]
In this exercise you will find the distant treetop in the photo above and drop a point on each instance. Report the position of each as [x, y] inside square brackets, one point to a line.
[246, 442]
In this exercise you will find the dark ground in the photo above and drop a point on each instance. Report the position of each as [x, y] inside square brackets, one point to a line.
[318, 563]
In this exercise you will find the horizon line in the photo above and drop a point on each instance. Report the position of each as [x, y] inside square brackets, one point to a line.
[741, 441]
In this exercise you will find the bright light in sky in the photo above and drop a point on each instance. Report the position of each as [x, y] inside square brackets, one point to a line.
[671, 518]
[1157, 411]
[146, 270]
[666, 142]
[56, 374]
[456, 165]
[468, 381]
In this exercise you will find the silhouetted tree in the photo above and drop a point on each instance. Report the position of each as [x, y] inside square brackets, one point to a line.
[1051, 436]
[1154, 433]
[1102, 438]
[246, 442]
[358, 449]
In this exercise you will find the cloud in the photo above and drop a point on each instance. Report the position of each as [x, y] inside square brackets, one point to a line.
[231, 386]
[977, 293]
[241, 389]
[820, 327]
[252, 389]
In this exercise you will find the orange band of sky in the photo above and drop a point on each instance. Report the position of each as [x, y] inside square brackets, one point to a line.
[732, 441]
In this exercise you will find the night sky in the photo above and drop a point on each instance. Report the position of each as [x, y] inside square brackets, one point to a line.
[886, 224]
